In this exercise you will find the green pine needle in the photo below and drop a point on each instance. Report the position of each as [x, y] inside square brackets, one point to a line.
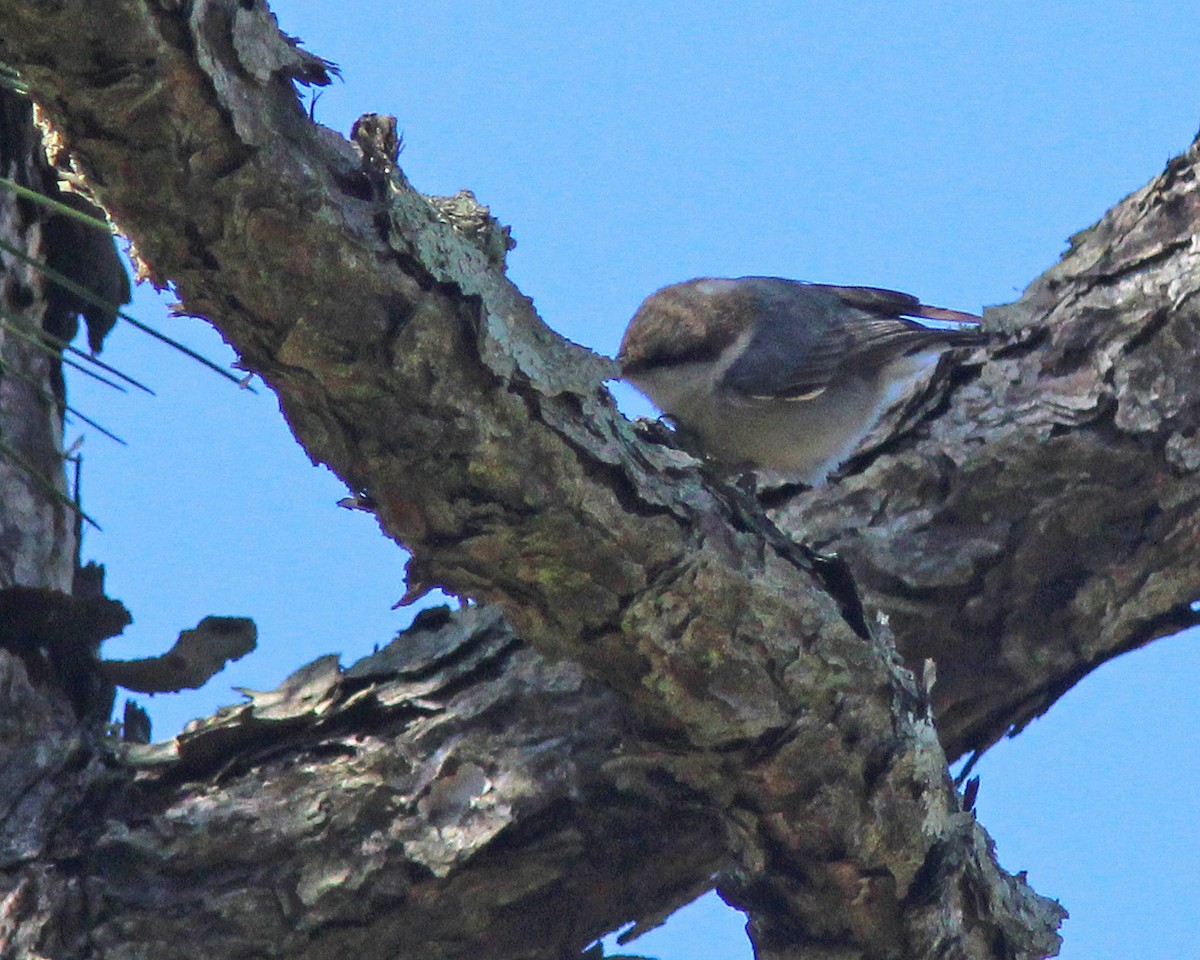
[86, 294]
[13, 371]
[56, 205]
[11, 455]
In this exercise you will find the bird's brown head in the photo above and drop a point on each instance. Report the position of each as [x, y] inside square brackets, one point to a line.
[693, 320]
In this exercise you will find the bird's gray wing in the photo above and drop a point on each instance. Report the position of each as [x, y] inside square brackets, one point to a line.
[892, 303]
[880, 340]
[799, 342]
[884, 332]
[808, 333]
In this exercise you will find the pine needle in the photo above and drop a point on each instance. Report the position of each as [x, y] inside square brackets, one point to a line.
[56, 205]
[13, 371]
[46, 485]
[82, 292]
[51, 345]
[12, 79]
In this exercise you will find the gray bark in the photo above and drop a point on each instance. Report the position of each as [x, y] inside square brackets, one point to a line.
[694, 697]
[37, 530]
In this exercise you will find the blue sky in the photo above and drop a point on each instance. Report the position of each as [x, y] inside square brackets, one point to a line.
[940, 148]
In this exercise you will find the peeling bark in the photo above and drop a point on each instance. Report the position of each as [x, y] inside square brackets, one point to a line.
[695, 697]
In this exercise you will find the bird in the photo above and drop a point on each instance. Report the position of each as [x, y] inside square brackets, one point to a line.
[777, 374]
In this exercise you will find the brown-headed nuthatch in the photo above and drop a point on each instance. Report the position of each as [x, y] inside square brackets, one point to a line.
[779, 374]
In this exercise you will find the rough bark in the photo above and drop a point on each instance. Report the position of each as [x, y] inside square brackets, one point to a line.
[339, 812]
[1045, 520]
[37, 529]
[701, 695]
[50, 692]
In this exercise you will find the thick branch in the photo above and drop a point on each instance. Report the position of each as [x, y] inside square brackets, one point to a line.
[1045, 521]
[335, 814]
[405, 360]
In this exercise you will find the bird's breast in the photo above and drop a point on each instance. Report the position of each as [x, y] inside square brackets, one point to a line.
[804, 438]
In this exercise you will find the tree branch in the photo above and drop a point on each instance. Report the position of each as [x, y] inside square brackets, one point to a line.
[438, 799]
[758, 696]
[1044, 521]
